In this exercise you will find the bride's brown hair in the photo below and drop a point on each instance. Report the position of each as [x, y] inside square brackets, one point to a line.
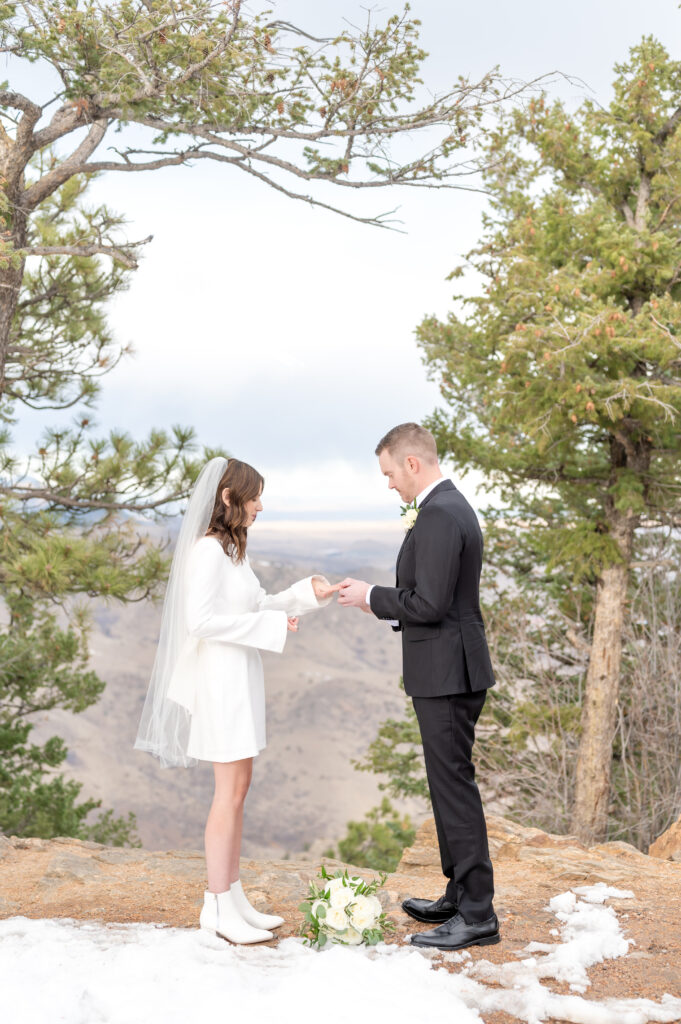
[227, 522]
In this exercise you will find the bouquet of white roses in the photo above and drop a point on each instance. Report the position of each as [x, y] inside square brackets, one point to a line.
[343, 909]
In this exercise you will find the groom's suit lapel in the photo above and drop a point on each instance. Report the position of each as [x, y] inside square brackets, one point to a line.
[399, 553]
[446, 485]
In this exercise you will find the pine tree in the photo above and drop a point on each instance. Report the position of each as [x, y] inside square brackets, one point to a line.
[67, 533]
[562, 376]
[378, 840]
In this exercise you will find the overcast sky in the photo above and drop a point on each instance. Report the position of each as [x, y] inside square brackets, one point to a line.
[285, 333]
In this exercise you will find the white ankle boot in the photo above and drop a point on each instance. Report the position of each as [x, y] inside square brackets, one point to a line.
[249, 913]
[220, 915]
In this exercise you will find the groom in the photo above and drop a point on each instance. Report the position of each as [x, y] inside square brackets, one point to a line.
[447, 671]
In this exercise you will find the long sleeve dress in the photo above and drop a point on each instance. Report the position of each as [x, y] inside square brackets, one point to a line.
[219, 675]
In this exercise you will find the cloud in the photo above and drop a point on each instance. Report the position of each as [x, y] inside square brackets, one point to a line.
[286, 333]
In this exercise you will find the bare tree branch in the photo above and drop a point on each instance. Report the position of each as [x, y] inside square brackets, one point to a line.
[31, 114]
[51, 181]
[668, 127]
[61, 500]
[90, 249]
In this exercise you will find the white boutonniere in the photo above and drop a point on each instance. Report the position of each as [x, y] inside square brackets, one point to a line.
[408, 515]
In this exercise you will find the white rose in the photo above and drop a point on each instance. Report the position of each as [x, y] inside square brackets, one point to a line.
[336, 918]
[409, 518]
[351, 936]
[339, 893]
[377, 905]
[340, 898]
[363, 912]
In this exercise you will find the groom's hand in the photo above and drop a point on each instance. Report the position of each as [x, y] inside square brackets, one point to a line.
[353, 594]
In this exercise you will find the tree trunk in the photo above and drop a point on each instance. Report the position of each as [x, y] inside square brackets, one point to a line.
[11, 276]
[599, 710]
[10, 285]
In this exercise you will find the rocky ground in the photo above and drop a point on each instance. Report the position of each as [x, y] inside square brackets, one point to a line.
[68, 878]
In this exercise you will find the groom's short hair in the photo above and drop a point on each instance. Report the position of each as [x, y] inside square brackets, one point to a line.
[409, 439]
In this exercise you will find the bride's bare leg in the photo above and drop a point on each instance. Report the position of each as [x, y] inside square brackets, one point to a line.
[236, 847]
[225, 909]
[225, 822]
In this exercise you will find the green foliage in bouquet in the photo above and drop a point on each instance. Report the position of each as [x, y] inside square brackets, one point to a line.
[344, 909]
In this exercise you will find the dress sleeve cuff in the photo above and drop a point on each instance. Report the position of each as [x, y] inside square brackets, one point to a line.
[305, 595]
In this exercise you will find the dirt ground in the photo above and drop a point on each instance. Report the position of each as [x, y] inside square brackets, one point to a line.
[86, 881]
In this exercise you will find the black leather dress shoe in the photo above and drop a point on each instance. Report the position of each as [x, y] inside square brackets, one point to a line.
[430, 911]
[457, 934]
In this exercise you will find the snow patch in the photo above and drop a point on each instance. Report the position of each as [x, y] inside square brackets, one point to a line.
[601, 892]
[69, 972]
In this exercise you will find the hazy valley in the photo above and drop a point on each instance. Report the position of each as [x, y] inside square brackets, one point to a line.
[335, 682]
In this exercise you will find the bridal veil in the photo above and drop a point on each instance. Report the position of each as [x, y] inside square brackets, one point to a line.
[164, 725]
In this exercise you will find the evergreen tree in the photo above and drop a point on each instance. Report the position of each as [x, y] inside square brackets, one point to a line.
[562, 376]
[378, 841]
[67, 534]
[43, 667]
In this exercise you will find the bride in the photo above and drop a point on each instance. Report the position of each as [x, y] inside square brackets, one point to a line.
[206, 697]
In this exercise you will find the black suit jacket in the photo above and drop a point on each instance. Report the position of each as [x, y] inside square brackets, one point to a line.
[436, 599]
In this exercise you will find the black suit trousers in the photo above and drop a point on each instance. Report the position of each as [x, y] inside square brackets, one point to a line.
[447, 727]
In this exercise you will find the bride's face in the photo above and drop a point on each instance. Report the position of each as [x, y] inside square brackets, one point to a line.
[251, 509]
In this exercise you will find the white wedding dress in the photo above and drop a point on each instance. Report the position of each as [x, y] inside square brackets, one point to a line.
[219, 677]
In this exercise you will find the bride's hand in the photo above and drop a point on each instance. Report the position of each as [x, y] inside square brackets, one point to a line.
[292, 624]
[322, 589]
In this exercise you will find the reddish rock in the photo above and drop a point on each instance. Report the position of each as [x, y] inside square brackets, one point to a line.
[668, 845]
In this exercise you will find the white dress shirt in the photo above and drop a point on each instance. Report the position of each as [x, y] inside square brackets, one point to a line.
[419, 499]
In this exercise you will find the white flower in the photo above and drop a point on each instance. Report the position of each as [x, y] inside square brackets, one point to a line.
[409, 518]
[336, 918]
[339, 893]
[351, 936]
[363, 912]
[377, 905]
